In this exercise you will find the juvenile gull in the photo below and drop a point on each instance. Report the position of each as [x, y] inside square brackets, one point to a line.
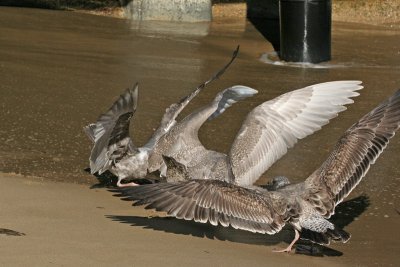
[265, 136]
[113, 148]
[304, 206]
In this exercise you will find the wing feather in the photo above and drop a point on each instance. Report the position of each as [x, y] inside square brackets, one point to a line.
[276, 125]
[353, 155]
[110, 133]
[216, 202]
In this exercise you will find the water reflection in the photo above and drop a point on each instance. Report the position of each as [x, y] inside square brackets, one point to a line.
[273, 59]
[170, 28]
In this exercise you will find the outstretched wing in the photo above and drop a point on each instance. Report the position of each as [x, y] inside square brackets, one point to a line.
[276, 125]
[110, 133]
[216, 202]
[352, 156]
[168, 120]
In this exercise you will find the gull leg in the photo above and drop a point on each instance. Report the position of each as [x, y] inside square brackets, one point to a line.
[289, 248]
[119, 184]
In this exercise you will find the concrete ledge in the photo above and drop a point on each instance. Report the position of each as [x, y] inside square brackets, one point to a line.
[168, 10]
[366, 11]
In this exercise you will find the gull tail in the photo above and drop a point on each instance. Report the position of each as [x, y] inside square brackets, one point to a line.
[325, 238]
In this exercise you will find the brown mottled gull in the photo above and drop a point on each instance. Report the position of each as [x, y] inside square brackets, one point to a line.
[304, 206]
[113, 148]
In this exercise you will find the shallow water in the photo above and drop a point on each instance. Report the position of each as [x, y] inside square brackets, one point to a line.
[60, 70]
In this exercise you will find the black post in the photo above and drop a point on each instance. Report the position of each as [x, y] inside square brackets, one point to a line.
[305, 30]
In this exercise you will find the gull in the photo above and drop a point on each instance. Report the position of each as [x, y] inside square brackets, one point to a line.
[305, 206]
[113, 147]
[266, 134]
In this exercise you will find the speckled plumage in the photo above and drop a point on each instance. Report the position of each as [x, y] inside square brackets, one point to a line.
[265, 136]
[182, 142]
[305, 206]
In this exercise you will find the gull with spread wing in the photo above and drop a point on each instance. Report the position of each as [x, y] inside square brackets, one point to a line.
[113, 148]
[304, 206]
[264, 137]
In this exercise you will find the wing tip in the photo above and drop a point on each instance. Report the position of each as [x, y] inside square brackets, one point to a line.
[88, 129]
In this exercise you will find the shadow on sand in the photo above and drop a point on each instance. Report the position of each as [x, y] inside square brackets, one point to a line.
[182, 227]
[109, 180]
[9, 232]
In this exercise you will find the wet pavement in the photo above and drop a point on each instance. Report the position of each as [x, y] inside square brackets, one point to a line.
[59, 70]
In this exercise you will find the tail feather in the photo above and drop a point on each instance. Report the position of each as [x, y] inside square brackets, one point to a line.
[110, 133]
[325, 238]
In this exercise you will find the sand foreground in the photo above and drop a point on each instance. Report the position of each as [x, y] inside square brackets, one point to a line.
[63, 224]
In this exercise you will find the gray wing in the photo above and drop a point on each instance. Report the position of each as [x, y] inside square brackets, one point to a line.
[276, 125]
[110, 133]
[216, 202]
[352, 156]
[168, 120]
[182, 142]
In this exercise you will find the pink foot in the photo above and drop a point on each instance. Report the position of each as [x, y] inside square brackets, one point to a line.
[119, 184]
[289, 248]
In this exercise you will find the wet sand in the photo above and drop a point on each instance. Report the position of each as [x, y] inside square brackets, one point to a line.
[60, 70]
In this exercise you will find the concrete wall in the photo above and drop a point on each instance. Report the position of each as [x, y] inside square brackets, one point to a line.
[168, 10]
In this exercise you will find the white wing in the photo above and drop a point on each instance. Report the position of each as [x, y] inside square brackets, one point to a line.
[276, 125]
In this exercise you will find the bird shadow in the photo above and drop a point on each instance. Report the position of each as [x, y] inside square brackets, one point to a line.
[182, 227]
[109, 180]
[105, 180]
[9, 232]
[346, 212]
